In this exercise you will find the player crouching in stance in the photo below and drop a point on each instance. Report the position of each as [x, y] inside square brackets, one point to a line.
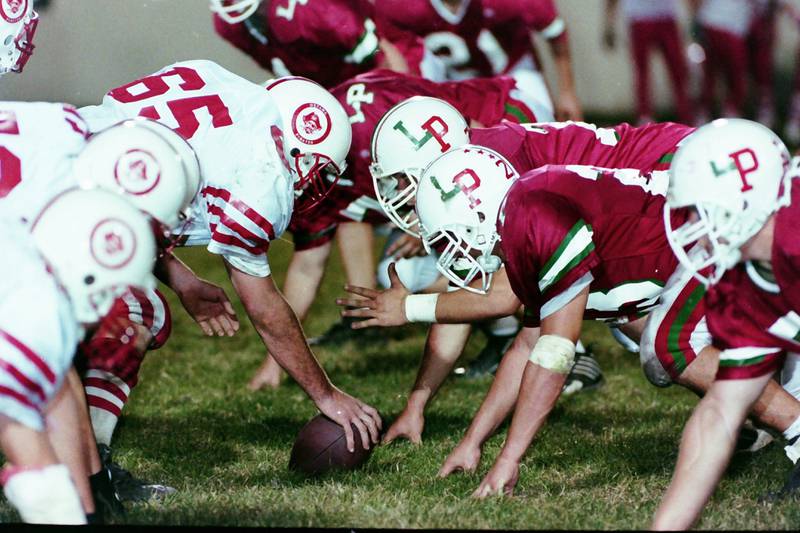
[262, 154]
[746, 209]
[84, 250]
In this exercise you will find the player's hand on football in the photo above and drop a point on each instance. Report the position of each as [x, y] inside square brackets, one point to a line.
[406, 246]
[210, 307]
[464, 458]
[377, 308]
[408, 425]
[346, 410]
[500, 480]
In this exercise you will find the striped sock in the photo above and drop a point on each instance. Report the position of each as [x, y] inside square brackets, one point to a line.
[107, 395]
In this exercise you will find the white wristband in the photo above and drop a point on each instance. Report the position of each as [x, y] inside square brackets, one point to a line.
[421, 307]
[553, 352]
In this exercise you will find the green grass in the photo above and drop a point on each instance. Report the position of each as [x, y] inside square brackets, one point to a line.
[603, 460]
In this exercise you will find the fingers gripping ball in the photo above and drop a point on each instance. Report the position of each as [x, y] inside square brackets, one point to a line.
[321, 446]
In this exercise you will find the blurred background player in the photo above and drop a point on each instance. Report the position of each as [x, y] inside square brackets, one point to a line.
[352, 205]
[653, 26]
[18, 23]
[328, 41]
[484, 38]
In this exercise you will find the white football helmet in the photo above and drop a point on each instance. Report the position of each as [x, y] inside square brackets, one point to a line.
[408, 137]
[458, 202]
[97, 245]
[733, 172]
[18, 23]
[316, 137]
[148, 163]
[234, 11]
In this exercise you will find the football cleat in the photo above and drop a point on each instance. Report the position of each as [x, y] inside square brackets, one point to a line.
[584, 375]
[107, 505]
[751, 439]
[488, 359]
[790, 489]
[128, 488]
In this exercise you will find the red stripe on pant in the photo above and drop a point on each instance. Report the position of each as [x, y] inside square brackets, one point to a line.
[725, 52]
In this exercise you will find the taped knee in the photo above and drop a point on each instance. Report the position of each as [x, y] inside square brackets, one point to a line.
[553, 352]
[44, 495]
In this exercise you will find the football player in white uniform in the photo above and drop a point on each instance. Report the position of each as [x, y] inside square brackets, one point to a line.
[262, 153]
[84, 249]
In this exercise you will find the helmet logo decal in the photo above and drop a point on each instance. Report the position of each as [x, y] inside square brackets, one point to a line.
[112, 243]
[311, 123]
[430, 133]
[137, 171]
[13, 10]
[738, 165]
[466, 181]
[8, 122]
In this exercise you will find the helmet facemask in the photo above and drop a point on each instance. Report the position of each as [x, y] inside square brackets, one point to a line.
[460, 261]
[234, 11]
[317, 175]
[398, 203]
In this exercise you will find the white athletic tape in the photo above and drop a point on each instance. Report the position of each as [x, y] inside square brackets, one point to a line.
[554, 353]
[421, 307]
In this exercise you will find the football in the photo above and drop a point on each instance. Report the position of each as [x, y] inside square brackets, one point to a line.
[321, 446]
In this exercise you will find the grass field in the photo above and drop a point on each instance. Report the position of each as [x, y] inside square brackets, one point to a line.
[603, 460]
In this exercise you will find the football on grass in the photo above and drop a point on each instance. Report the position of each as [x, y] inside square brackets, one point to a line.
[321, 446]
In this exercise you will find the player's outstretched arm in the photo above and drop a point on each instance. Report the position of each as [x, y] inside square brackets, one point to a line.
[205, 302]
[443, 347]
[280, 330]
[388, 308]
[706, 447]
[542, 381]
[568, 106]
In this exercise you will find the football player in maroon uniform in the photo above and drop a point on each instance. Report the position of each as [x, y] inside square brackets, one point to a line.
[482, 38]
[735, 176]
[351, 210]
[328, 41]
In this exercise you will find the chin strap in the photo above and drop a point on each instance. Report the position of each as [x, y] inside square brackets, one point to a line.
[490, 263]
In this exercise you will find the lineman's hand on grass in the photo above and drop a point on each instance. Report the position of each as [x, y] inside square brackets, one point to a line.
[500, 480]
[345, 410]
[408, 425]
[377, 308]
[464, 458]
[210, 307]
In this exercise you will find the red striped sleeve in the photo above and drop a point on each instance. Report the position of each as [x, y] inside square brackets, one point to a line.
[30, 354]
[243, 208]
[237, 228]
[233, 240]
[76, 121]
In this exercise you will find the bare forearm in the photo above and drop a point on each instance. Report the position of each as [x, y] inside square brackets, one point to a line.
[355, 245]
[174, 273]
[304, 277]
[539, 393]
[462, 306]
[562, 60]
[502, 395]
[442, 349]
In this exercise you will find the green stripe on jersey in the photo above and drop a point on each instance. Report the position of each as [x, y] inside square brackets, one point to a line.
[666, 158]
[575, 247]
[366, 47]
[674, 336]
[517, 112]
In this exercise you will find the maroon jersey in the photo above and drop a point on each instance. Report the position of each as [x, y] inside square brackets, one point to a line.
[328, 41]
[482, 38]
[528, 146]
[753, 311]
[564, 228]
[366, 98]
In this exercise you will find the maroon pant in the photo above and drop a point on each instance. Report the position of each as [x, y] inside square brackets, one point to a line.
[661, 35]
[760, 46]
[725, 53]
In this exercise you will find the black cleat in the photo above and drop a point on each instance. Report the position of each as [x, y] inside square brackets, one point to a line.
[128, 488]
[488, 359]
[584, 375]
[790, 489]
[341, 332]
[751, 439]
[107, 505]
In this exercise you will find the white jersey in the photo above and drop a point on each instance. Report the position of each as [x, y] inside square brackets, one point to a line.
[38, 330]
[732, 16]
[247, 191]
[38, 146]
[636, 10]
